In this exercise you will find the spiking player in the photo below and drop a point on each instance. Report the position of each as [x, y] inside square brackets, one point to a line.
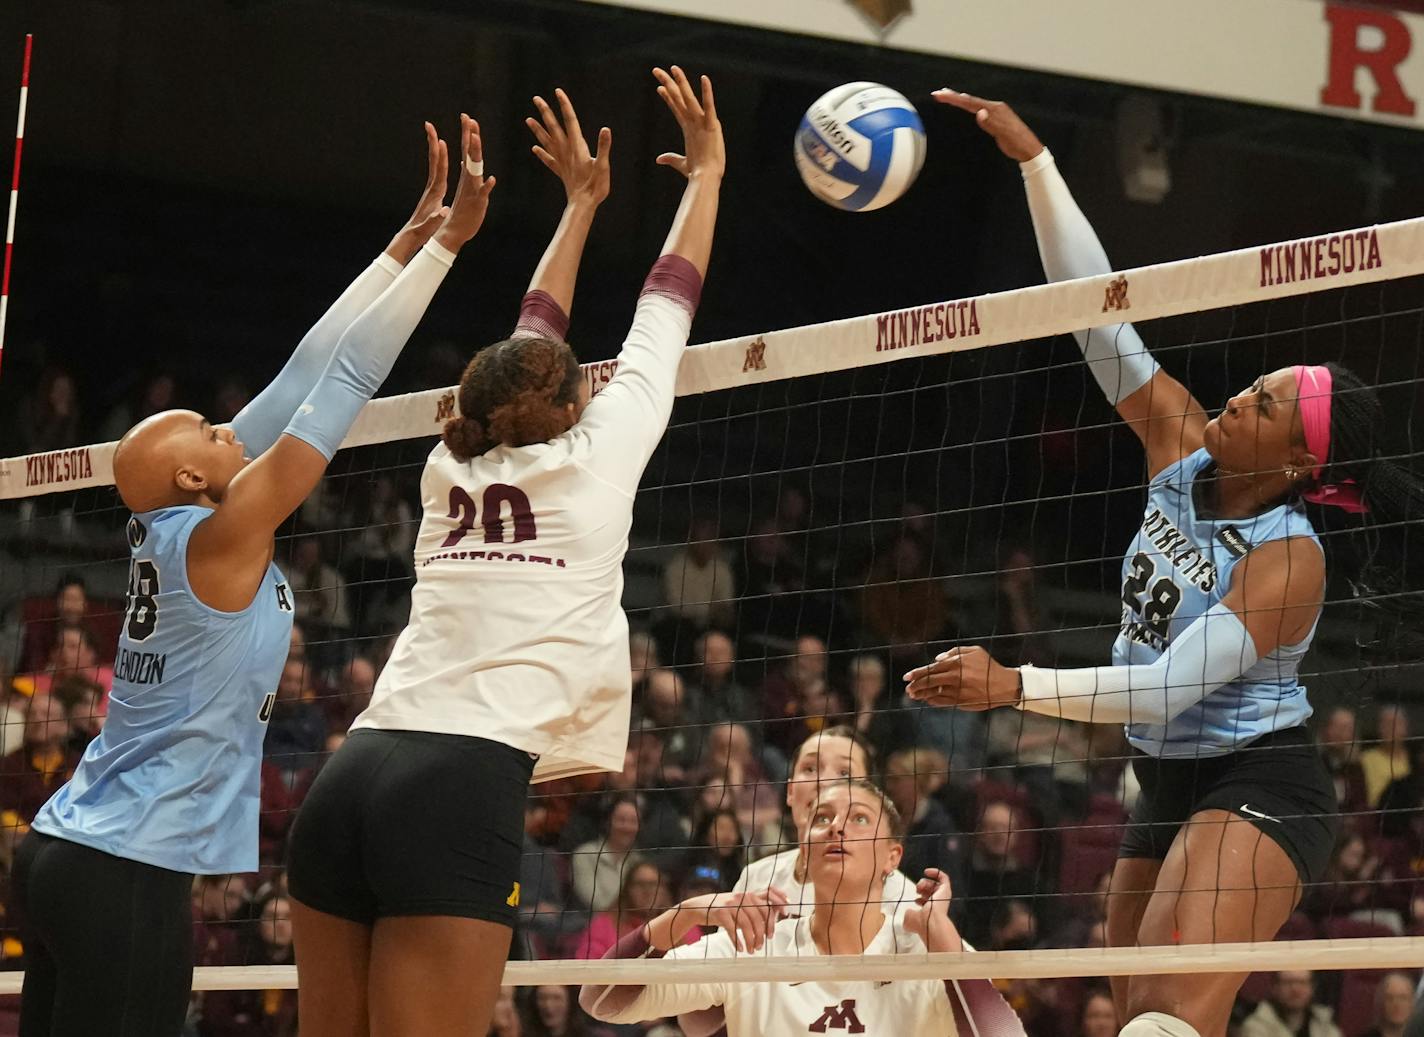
[169, 788]
[405, 855]
[1222, 590]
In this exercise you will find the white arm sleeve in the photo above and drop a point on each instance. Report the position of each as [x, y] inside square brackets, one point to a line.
[1214, 650]
[625, 422]
[657, 1000]
[1070, 249]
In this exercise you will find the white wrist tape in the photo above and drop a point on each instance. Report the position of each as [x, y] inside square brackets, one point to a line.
[1214, 650]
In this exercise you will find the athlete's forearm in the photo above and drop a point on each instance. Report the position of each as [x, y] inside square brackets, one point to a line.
[367, 351]
[557, 273]
[1214, 650]
[260, 423]
[668, 929]
[1070, 249]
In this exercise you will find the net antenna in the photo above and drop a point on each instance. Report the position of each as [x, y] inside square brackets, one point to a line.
[15, 189]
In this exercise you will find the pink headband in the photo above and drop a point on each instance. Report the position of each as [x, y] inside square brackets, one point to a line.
[1314, 386]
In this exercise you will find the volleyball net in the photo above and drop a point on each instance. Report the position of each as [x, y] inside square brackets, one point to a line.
[832, 505]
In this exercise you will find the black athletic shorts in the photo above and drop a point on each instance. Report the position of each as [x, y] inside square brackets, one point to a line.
[1278, 782]
[413, 823]
[108, 942]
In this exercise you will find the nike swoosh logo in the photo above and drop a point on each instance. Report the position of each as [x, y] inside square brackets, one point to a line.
[305, 408]
[1256, 813]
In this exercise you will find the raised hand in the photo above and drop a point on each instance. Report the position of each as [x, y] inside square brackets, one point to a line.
[965, 678]
[467, 211]
[998, 120]
[704, 153]
[431, 210]
[561, 147]
[748, 918]
[929, 918]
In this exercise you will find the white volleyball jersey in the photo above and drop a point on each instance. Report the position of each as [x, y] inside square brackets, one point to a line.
[902, 1008]
[516, 630]
[778, 872]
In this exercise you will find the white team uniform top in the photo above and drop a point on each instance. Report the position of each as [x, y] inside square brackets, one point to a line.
[516, 630]
[903, 1008]
[779, 872]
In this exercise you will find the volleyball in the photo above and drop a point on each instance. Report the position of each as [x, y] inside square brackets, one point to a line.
[860, 146]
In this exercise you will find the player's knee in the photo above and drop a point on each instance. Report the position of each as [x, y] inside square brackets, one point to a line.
[1158, 1024]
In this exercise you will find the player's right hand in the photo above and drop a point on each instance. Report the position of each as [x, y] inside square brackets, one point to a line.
[562, 148]
[467, 211]
[430, 211]
[749, 917]
[705, 152]
[998, 120]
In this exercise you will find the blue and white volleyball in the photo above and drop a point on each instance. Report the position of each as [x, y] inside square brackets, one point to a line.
[860, 146]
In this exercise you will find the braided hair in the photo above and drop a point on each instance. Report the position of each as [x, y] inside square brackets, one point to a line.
[1359, 450]
[515, 392]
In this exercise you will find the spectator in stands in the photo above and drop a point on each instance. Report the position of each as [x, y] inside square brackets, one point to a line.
[44, 762]
[643, 658]
[882, 726]
[296, 731]
[71, 607]
[378, 555]
[1341, 752]
[697, 581]
[505, 1020]
[912, 778]
[1049, 756]
[231, 396]
[1019, 628]
[353, 693]
[768, 583]
[319, 592]
[150, 395]
[1012, 926]
[995, 871]
[13, 706]
[73, 655]
[258, 1013]
[645, 893]
[1388, 760]
[544, 916]
[719, 847]
[1394, 999]
[599, 865]
[48, 418]
[557, 1014]
[796, 690]
[903, 606]
[298, 646]
[731, 777]
[1099, 1015]
[1290, 1011]
[720, 698]
[665, 707]
[87, 706]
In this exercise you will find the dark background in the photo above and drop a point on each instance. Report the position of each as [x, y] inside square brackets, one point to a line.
[203, 177]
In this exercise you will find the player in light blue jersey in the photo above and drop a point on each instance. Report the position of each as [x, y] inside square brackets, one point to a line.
[170, 787]
[1222, 589]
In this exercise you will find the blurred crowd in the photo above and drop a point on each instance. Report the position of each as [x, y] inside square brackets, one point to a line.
[759, 642]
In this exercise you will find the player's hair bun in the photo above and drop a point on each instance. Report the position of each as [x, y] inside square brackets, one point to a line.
[465, 438]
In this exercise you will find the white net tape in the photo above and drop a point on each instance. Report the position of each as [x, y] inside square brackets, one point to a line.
[1383, 252]
[1395, 952]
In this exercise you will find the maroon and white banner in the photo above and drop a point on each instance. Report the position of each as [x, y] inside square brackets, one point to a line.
[1164, 290]
[1355, 61]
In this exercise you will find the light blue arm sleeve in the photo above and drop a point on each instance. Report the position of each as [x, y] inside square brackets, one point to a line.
[1070, 249]
[260, 423]
[367, 352]
[1212, 651]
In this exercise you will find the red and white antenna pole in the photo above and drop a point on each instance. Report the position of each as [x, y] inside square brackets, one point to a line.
[14, 190]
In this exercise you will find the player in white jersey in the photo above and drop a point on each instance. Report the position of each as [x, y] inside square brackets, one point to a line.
[852, 847]
[1222, 590]
[514, 664]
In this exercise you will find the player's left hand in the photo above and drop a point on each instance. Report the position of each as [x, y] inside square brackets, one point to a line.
[431, 211]
[965, 678]
[998, 120]
[467, 211]
[561, 147]
[929, 918]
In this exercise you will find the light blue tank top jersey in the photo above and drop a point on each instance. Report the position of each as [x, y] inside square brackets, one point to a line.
[1179, 566]
[173, 779]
